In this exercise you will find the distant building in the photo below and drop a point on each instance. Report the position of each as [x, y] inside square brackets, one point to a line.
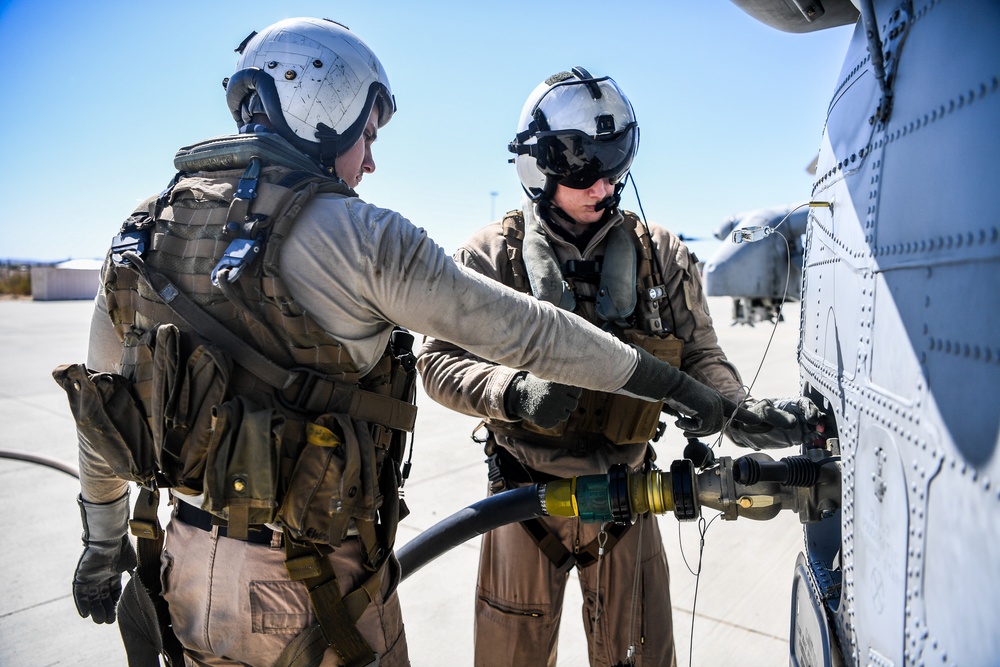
[72, 279]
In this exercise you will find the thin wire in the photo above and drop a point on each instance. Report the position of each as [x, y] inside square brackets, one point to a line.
[602, 539]
[635, 585]
[774, 326]
[784, 294]
[702, 526]
[656, 256]
[702, 530]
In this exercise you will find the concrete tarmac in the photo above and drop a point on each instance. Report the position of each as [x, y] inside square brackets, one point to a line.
[735, 613]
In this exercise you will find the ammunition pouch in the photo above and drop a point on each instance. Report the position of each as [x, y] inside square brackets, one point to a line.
[333, 481]
[602, 418]
[241, 481]
[633, 420]
[110, 421]
[185, 395]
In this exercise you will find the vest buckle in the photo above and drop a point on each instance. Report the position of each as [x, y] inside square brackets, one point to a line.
[240, 254]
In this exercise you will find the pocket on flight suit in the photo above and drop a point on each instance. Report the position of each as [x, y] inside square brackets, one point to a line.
[279, 607]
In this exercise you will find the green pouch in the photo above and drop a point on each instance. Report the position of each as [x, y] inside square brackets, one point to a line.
[632, 420]
[109, 420]
[184, 396]
[333, 481]
[241, 466]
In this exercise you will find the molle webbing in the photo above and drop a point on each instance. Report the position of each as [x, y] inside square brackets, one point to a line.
[190, 236]
[601, 418]
[513, 233]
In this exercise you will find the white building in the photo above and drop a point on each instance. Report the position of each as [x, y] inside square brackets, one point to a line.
[72, 279]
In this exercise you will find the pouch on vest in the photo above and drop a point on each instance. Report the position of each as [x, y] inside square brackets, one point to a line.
[184, 394]
[241, 465]
[333, 481]
[109, 420]
[633, 420]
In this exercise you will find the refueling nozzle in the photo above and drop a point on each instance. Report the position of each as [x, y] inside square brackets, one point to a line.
[753, 486]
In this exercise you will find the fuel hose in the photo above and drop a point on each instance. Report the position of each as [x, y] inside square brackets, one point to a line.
[477, 519]
[41, 460]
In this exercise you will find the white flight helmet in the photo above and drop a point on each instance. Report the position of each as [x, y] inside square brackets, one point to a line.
[315, 81]
[574, 130]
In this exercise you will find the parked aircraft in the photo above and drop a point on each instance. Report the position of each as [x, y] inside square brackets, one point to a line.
[759, 276]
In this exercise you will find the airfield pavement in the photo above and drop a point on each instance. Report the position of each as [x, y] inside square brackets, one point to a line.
[739, 605]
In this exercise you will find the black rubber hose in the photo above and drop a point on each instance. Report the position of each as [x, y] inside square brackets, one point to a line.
[476, 519]
[42, 460]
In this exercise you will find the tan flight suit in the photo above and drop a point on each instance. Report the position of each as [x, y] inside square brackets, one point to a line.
[358, 270]
[520, 590]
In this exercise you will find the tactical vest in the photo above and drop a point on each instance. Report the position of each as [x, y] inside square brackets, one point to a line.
[630, 312]
[215, 235]
[229, 389]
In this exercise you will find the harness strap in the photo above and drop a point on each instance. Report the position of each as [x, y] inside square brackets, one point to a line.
[142, 608]
[315, 392]
[513, 233]
[563, 559]
[336, 614]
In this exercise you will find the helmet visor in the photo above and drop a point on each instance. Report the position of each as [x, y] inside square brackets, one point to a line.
[577, 160]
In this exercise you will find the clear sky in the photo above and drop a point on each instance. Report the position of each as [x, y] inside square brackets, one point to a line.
[98, 96]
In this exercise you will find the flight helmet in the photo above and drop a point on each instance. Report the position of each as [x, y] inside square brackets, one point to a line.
[574, 130]
[315, 81]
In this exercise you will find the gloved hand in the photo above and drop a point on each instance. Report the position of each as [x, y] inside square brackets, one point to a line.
[107, 553]
[540, 402]
[785, 422]
[703, 411]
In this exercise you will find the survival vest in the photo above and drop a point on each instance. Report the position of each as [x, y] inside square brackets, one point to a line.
[629, 293]
[237, 393]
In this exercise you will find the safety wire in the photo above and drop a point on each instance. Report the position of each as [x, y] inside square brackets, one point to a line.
[702, 525]
[633, 612]
[702, 530]
[602, 539]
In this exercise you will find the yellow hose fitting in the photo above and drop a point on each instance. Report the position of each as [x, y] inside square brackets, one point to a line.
[560, 498]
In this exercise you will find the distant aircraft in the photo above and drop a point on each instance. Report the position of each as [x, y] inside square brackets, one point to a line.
[899, 343]
[760, 276]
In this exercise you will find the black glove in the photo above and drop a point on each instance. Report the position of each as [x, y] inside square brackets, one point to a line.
[703, 411]
[107, 553]
[540, 402]
[785, 422]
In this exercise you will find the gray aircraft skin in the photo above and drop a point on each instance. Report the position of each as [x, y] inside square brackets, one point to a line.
[898, 340]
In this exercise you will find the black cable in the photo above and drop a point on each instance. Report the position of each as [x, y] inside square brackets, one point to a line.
[656, 256]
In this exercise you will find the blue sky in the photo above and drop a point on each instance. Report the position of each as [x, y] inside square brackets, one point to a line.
[99, 95]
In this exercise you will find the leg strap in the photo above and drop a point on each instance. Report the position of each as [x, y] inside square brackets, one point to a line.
[336, 614]
[563, 559]
[143, 617]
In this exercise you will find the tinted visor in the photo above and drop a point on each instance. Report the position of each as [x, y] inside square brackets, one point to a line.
[577, 160]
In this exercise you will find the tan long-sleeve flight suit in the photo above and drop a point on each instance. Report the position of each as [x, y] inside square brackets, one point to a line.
[520, 590]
